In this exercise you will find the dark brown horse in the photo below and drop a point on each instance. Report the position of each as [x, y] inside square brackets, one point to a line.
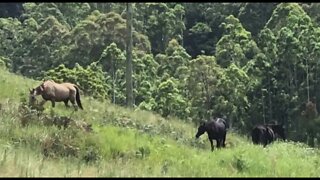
[55, 92]
[216, 130]
[278, 130]
[266, 134]
[262, 134]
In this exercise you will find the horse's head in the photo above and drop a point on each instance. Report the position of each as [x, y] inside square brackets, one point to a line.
[36, 91]
[32, 98]
[201, 129]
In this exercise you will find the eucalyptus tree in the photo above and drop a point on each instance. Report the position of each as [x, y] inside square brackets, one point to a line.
[145, 79]
[265, 69]
[169, 99]
[113, 63]
[44, 50]
[73, 13]
[162, 23]
[236, 45]
[296, 62]
[173, 68]
[236, 52]
[254, 15]
[91, 36]
[41, 11]
[203, 29]
[9, 37]
[312, 10]
[129, 91]
[203, 78]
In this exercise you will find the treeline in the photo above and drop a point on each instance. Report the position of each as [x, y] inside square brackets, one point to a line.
[253, 62]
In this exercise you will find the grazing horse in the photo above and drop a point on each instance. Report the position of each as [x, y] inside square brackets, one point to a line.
[216, 130]
[55, 92]
[265, 134]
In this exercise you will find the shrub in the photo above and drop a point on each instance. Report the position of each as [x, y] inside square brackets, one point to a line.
[91, 79]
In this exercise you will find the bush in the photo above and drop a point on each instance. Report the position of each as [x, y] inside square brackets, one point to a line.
[91, 79]
[5, 63]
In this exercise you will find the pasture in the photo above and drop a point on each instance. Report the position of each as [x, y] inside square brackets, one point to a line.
[129, 143]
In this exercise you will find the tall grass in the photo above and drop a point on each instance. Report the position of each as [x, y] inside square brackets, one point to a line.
[128, 143]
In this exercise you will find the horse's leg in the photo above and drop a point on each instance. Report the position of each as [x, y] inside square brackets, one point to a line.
[264, 140]
[224, 140]
[261, 139]
[219, 142]
[73, 99]
[211, 144]
[66, 103]
[74, 105]
[53, 103]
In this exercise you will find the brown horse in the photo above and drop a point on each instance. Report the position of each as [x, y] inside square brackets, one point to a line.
[55, 92]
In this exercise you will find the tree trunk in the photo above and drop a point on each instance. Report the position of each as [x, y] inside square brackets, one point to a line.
[129, 57]
[269, 98]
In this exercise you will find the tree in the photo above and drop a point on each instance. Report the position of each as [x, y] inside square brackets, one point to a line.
[202, 82]
[145, 79]
[236, 45]
[170, 101]
[9, 37]
[295, 67]
[264, 70]
[13, 10]
[73, 13]
[89, 38]
[44, 50]
[162, 23]
[113, 64]
[41, 11]
[129, 57]
[253, 16]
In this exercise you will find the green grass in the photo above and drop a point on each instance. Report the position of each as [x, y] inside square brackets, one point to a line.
[131, 143]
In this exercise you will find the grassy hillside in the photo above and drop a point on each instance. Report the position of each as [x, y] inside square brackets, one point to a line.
[128, 143]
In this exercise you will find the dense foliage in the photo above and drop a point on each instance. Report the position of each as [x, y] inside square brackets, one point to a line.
[253, 62]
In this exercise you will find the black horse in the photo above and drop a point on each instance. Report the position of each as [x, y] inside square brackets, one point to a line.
[216, 129]
[278, 130]
[266, 134]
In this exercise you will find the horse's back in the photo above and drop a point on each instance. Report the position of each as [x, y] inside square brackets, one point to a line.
[60, 92]
[216, 128]
[65, 87]
[222, 123]
[68, 85]
[262, 134]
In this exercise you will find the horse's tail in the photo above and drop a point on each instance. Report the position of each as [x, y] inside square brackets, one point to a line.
[271, 134]
[78, 97]
[226, 123]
